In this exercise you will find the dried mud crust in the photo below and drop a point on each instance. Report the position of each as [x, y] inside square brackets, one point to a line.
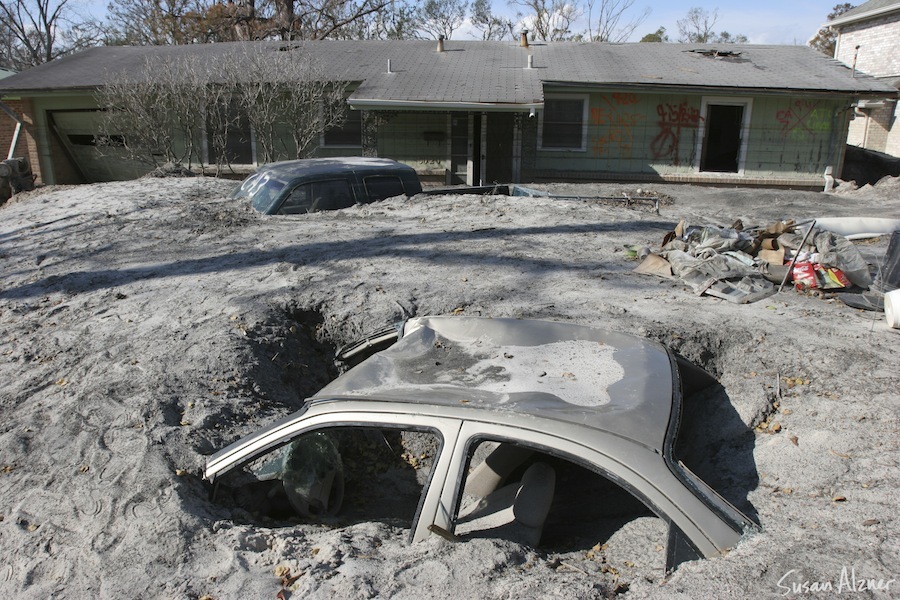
[138, 335]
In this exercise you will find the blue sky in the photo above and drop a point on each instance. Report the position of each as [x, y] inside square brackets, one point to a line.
[762, 21]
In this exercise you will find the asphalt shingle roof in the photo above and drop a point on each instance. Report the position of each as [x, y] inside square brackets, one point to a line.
[864, 9]
[473, 72]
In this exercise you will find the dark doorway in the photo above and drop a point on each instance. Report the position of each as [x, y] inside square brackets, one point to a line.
[722, 139]
[459, 147]
[499, 151]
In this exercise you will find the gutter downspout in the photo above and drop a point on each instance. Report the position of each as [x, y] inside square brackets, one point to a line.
[15, 139]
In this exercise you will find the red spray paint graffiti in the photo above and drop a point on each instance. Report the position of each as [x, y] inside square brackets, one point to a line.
[672, 119]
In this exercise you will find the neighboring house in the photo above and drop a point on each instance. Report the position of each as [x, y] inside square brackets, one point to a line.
[868, 39]
[482, 112]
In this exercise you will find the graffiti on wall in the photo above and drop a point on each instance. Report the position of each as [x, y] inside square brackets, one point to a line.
[803, 120]
[673, 118]
[619, 119]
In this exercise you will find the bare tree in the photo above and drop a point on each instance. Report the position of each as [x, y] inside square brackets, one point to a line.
[397, 20]
[319, 19]
[289, 99]
[607, 24]
[490, 26]
[161, 113]
[548, 20]
[201, 21]
[440, 18]
[33, 32]
[825, 39]
[697, 27]
[161, 22]
[153, 113]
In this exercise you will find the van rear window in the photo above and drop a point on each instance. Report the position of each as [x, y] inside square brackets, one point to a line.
[380, 187]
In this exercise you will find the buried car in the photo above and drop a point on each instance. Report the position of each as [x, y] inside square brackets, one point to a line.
[491, 420]
[310, 185]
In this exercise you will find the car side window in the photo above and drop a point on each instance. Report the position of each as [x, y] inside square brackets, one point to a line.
[514, 491]
[330, 194]
[298, 201]
[346, 473]
[379, 187]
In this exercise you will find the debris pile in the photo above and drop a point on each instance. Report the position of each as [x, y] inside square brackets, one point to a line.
[744, 265]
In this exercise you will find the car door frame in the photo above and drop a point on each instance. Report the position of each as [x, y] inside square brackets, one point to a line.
[648, 478]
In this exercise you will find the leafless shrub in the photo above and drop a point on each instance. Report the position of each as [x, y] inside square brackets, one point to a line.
[162, 113]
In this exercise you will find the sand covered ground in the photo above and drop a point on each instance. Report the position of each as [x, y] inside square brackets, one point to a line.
[146, 324]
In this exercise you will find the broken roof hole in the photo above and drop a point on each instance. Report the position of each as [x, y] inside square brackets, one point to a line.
[723, 54]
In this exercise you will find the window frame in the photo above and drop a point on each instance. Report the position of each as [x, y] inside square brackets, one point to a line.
[585, 106]
[323, 138]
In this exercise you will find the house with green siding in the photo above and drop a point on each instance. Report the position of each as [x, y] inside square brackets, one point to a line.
[480, 112]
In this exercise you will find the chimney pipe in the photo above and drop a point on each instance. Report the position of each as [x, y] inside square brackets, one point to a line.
[523, 40]
[440, 47]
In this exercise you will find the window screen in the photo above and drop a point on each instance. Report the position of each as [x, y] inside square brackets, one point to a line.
[563, 123]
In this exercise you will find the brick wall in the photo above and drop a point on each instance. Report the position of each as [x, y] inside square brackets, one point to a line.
[879, 55]
[871, 127]
[26, 145]
[879, 46]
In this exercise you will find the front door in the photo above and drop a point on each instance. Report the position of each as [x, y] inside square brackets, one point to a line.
[722, 138]
[499, 148]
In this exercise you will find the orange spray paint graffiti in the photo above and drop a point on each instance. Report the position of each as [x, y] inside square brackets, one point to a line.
[618, 122]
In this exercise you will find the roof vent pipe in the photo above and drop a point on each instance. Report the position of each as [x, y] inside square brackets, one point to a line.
[440, 47]
[523, 40]
[855, 56]
[531, 61]
[389, 66]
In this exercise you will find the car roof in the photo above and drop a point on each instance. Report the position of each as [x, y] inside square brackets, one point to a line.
[509, 369]
[289, 169]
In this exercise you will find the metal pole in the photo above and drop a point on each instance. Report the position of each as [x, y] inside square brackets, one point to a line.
[796, 254]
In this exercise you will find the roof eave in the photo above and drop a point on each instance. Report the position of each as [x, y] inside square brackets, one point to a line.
[373, 103]
[767, 91]
[869, 14]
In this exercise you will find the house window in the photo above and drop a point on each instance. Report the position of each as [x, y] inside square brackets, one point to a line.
[564, 123]
[349, 134]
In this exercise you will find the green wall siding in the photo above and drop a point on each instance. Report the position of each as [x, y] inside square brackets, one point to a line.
[419, 139]
[660, 134]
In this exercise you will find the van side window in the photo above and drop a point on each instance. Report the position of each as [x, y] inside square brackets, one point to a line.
[379, 187]
[330, 194]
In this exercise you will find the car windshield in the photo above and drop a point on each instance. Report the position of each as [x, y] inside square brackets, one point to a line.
[261, 188]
